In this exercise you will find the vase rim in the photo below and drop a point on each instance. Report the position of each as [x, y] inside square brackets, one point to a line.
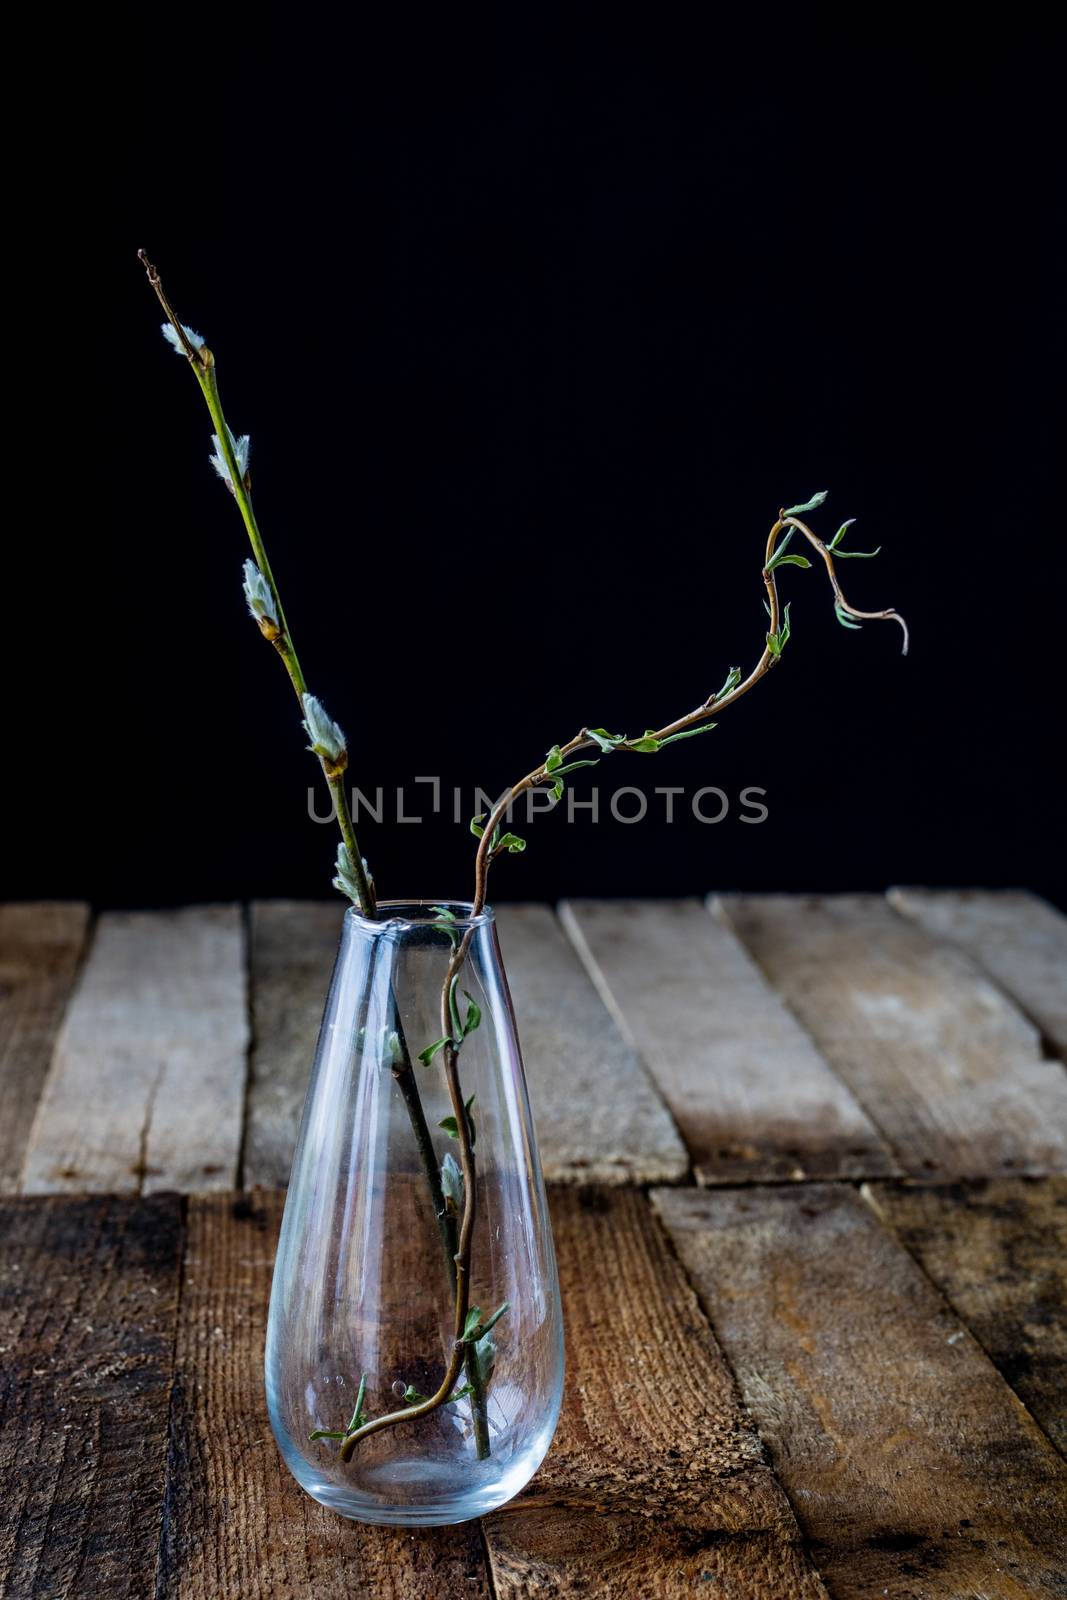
[404, 916]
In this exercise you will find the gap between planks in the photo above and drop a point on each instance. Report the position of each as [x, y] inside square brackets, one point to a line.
[754, 1099]
[946, 1066]
[1016, 937]
[911, 1465]
[997, 1250]
[41, 947]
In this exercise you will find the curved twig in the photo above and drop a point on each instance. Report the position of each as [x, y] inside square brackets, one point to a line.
[483, 861]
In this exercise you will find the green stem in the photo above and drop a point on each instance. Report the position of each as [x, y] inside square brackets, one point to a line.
[478, 1412]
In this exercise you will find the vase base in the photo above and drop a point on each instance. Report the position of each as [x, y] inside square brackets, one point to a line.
[406, 1495]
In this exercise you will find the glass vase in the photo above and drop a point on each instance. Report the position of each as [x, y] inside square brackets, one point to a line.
[363, 1316]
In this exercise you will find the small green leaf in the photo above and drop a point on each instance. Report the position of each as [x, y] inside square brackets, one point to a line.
[446, 921]
[776, 642]
[453, 1008]
[572, 766]
[473, 1322]
[840, 534]
[474, 1016]
[553, 759]
[647, 745]
[494, 1319]
[485, 1359]
[476, 825]
[451, 1127]
[733, 678]
[511, 843]
[606, 741]
[844, 619]
[558, 773]
[780, 559]
[857, 555]
[809, 505]
[359, 1416]
[427, 1055]
[688, 733]
[415, 1397]
[461, 1028]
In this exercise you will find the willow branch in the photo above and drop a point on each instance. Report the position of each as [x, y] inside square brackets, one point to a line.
[203, 364]
[692, 719]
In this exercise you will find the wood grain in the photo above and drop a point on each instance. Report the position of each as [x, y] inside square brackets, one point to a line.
[1017, 938]
[599, 1118]
[655, 1484]
[88, 1301]
[753, 1098]
[948, 1069]
[997, 1250]
[40, 947]
[293, 946]
[237, 1524]
[147, 1082]
[913, 1468]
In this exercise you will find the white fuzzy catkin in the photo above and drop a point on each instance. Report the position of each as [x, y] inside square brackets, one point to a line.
[345, 880]
[171, 336]
[258, 594]
[327, 740]
[240, 449]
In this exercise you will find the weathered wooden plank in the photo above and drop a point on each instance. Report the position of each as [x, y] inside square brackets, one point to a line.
[599, 1117]
[752, 1096]
[1019, 939]
[147, 1081]
[997, 1250]
[88, 1302]
[293, 946]
[40, 947]
[913, 1468]
[237, 1525]
[655, 1484]
[947, 1068]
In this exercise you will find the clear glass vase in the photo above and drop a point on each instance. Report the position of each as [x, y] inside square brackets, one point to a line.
[364, 1291]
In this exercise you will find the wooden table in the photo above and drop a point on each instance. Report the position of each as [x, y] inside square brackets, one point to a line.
[808, 1160]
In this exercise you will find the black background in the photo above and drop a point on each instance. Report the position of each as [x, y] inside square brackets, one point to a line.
[535, 320]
